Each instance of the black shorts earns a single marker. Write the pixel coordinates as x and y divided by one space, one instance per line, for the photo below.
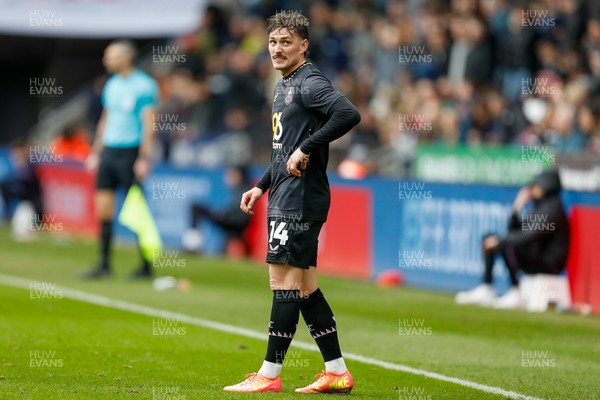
293 242
116 167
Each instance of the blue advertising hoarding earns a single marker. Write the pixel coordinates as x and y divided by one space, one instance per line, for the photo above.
431 232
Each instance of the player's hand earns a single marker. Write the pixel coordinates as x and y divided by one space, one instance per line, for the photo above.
91 163
297 162
490 243
522 198
141 168
248 200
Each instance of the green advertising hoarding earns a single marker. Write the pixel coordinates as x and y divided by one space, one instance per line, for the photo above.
497 165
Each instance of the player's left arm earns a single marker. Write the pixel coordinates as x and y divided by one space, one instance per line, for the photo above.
141 167
319 95
142 163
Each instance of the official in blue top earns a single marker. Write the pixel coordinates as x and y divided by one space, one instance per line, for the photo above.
124 139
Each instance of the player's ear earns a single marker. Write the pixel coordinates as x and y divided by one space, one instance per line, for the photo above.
304 46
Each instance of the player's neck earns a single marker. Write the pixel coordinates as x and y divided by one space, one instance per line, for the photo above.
126 72
290 71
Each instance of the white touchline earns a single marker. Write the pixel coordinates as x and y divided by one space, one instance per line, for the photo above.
18 282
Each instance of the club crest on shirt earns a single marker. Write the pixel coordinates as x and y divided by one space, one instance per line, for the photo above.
289 96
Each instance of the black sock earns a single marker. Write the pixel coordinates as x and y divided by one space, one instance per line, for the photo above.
321 325
285 313
105 239
488 256
510 259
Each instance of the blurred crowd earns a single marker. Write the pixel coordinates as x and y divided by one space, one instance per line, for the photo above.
470 72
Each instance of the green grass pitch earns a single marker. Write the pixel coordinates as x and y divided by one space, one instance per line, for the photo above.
61 348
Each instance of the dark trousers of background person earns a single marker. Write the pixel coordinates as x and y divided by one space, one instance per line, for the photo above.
233 222
524 258
15 190
116 171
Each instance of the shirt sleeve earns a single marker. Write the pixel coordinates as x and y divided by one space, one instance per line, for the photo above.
104 90
149 96
518 237
265 182
320 96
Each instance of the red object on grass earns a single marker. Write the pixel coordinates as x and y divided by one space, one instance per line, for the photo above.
390 278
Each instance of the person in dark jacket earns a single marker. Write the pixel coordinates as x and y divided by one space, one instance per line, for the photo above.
230 219
537 242
24 183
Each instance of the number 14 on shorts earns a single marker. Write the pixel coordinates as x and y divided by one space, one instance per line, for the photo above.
278 232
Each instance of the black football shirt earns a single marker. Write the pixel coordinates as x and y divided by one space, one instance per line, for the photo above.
308 112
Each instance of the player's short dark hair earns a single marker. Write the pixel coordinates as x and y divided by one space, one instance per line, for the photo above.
294 21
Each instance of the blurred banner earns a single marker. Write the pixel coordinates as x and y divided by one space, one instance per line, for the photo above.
579 172
498 165
584 260
505 165
100 18
171 192
430 232
68 193
6 167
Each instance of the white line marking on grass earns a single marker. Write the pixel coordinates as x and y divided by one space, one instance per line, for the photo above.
85 297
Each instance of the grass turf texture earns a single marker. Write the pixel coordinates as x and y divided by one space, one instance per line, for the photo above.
107 353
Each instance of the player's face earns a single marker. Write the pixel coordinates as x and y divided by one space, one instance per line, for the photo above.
287 50
114 59
537 192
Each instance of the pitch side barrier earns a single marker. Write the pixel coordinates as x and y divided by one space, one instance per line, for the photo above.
430 232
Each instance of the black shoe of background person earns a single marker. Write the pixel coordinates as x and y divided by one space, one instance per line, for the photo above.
96 273
141 273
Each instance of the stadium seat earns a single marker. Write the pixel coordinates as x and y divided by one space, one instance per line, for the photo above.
539 290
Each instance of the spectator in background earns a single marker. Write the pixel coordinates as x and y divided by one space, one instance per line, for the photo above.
537 242
388 39
548 56
212 34
562 136
479 54
591 39
184 114
588 118
516 55
594 74
464 7
233 144
436 45
230 219
24 184
496 13
73 144
572 16
480 58
459 50
503 121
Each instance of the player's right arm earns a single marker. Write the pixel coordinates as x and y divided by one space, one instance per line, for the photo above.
94 158
251 196
265 182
